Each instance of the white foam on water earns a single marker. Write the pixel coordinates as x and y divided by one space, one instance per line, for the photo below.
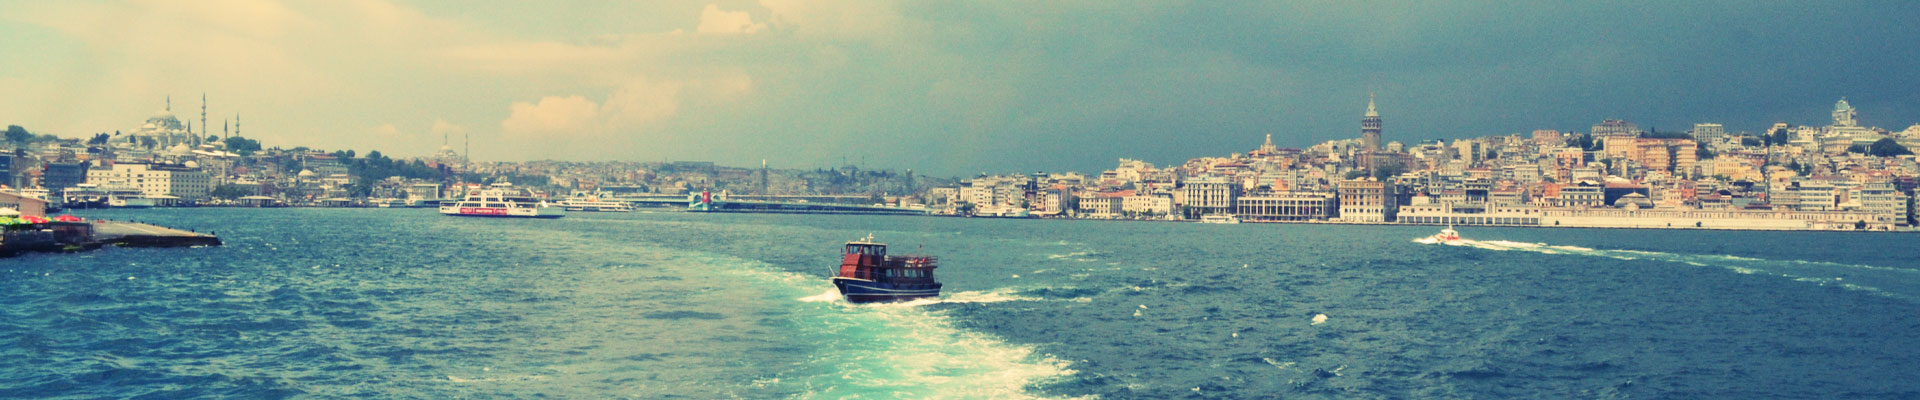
897 350
1081 256
1795 270
831 295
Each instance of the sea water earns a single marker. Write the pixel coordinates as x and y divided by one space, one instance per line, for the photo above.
406 303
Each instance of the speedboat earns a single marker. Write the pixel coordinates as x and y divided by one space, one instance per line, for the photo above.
1447 235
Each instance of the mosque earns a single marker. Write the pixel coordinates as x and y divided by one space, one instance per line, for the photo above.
165 129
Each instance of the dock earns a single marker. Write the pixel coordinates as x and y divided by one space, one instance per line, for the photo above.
83 236
134 234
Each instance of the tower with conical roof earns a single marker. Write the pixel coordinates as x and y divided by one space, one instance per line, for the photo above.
1370 126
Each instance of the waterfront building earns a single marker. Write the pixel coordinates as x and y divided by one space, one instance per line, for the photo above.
58 176
1367 200
1287 206
155 180
1148 205
1448 213
1209 195
1102 205
1059 200
1580 195
423 191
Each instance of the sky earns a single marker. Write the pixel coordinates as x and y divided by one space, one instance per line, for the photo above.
943 87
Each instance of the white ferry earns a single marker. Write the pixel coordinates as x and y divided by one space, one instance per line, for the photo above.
580 202
1219 219
502 200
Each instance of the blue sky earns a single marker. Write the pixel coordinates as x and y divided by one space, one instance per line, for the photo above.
948 88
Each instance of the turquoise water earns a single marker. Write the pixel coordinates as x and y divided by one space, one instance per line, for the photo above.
405 303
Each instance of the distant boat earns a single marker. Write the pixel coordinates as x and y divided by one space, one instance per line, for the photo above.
502 200
1219 219
867 274
1447 235
594 202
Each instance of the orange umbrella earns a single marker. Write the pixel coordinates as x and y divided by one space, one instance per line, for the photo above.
37 220
67 218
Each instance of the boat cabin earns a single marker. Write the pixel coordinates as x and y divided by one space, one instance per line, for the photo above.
869 260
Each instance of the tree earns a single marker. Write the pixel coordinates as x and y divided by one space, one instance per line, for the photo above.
99 139
18 135
1780 137
242 146
1751 142
1704 154
148 142
213 138
1887 147
1857 149
230 192
1388 171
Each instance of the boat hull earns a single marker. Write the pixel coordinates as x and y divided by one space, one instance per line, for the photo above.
869 291
537 212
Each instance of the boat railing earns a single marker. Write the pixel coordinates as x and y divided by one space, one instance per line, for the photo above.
912 261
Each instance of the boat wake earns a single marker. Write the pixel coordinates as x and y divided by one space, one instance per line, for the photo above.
1891 282
896 350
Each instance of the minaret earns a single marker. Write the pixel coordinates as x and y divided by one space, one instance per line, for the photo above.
236 124
1267 147
1370 126
170 103
203 110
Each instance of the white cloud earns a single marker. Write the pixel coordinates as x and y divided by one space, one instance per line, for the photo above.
638 104
442 127
713 20
553 115
386 130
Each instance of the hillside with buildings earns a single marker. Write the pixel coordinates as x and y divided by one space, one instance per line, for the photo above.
1836 176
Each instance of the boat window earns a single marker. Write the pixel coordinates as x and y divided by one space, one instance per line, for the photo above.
495 205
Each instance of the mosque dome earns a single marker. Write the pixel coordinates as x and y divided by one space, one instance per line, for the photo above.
1842 106
306 173
180 148
191 164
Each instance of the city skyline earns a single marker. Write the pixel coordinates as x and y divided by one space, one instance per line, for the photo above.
1070 87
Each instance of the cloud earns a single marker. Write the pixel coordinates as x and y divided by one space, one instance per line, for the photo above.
553 115
442 127
712 20
386 130
638 104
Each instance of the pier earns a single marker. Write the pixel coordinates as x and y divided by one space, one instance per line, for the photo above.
82 236
135 234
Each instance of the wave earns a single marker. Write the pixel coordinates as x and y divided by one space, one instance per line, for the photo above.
1891 282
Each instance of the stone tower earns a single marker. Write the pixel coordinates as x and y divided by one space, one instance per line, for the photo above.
1370 127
